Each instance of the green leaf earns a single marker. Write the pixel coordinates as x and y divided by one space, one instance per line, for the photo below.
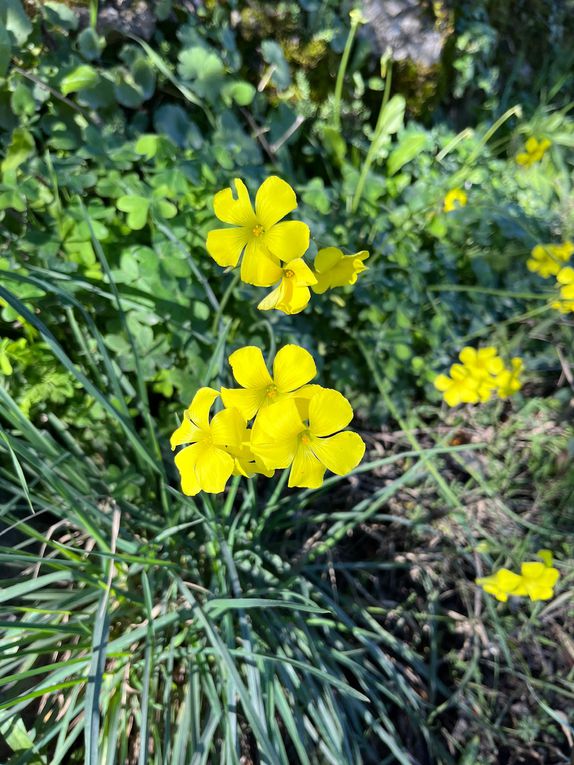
137 209
22 101
408 148
59 15
334 143
14 733
147 145
15 20
165 209
203 69
5 50
21 147
241 92
90 44
82 78
391 117
273 55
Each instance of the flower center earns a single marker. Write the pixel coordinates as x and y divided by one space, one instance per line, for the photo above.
257 230
306 437
271 391
288 273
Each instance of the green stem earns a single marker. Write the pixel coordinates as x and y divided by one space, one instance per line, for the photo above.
487 291
224 300
341 73
369 159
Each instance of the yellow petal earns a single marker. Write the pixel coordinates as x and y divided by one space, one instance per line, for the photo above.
274 435
272 300
302 274
566 275
228 429
532 570
198 411
306 470
327 258
236 208
302 397
340 453
185 461
288 240
259 267
187 433
247 400
226 244
442 383
249 368
292 368
213 469
294 299
275 199
507 579
329 411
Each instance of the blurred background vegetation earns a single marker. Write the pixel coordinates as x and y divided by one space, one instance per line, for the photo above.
336 626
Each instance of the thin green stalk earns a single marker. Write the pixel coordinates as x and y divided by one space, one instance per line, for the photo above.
224 300
355 21
369 159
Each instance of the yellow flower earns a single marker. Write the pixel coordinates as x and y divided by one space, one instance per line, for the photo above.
259 235
208 462
281 438
460 388
292 294
547 259
565 279
481 372
333 269
501 584
536 580
533 152
292 369
454 199
507 381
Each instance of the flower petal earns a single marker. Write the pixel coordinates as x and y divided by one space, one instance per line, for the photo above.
213 469
329 411
327 258
294 299
274 434
292 368
288 240
303 276
306 470
187 433
228 429
247 400
340 453
185 461
249 368
272 300
259 266
235 209
274 200
225 245
198 411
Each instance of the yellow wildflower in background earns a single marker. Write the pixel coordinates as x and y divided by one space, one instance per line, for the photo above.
334 269
536 580
547 259
565 282
293 368
208 461
281 438
259 235
501 584
454 199
480 374
533 152
292 294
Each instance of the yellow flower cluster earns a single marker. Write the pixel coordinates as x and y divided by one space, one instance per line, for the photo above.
271 249
533 152
548 260
454 199
536 580
296 425
480 374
